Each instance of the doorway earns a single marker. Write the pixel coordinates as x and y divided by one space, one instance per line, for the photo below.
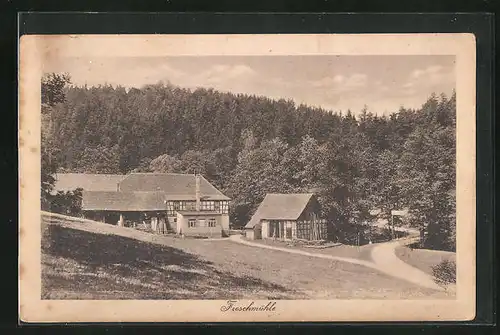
278 229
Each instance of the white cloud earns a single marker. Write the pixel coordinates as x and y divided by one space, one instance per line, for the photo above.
356 80
338 79
417 73
323 82
341 83
434 78
222 72
100 71
241 70
431 75
429 71
218 76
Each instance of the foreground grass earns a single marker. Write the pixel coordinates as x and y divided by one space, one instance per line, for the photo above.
423 259
98 261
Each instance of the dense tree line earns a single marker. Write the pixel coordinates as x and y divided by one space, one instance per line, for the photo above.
250 145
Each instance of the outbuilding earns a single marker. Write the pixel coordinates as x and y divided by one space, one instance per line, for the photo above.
287 217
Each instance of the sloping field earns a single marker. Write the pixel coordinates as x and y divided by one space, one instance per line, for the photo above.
424 259
90 260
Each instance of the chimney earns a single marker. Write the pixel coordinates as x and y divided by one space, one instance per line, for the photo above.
197 194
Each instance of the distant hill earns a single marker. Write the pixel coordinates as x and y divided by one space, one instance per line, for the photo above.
248 146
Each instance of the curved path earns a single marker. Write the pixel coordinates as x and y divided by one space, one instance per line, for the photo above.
240 239
383 255
385 258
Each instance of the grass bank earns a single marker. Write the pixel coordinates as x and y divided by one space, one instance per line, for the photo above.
423 259
87 260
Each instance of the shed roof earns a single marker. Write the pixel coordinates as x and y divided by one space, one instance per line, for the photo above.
280 207
176 186
123 201
89 182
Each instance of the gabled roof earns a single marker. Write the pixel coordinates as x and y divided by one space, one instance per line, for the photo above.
280 207
89 182
175 186
123 201
136 191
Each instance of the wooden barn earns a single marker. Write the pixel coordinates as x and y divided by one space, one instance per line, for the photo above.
287 217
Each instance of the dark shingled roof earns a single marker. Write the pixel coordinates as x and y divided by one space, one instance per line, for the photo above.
176 186
89 182
136 191
280 207
123 201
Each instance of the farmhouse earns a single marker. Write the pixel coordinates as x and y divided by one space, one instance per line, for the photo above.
185 204
287 217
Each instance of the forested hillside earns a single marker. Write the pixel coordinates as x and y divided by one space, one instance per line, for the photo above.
249 146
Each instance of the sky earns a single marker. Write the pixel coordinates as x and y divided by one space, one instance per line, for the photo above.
338 83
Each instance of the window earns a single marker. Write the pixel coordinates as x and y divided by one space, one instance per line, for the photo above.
225 207
170 208
191 223
175 220
288 230
177 205
212 223
190 205
207 205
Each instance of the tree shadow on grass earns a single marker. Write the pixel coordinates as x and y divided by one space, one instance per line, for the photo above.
83 265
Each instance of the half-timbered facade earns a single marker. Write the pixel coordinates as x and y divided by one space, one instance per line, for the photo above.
287 217
162 202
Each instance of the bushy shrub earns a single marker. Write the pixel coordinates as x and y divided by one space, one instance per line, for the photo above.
68 203
444 273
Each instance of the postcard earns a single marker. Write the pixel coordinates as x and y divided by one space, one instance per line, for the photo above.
259 178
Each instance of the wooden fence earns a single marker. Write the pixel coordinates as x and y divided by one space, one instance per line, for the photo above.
312 230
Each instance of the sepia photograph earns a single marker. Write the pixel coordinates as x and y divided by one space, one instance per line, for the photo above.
169 172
